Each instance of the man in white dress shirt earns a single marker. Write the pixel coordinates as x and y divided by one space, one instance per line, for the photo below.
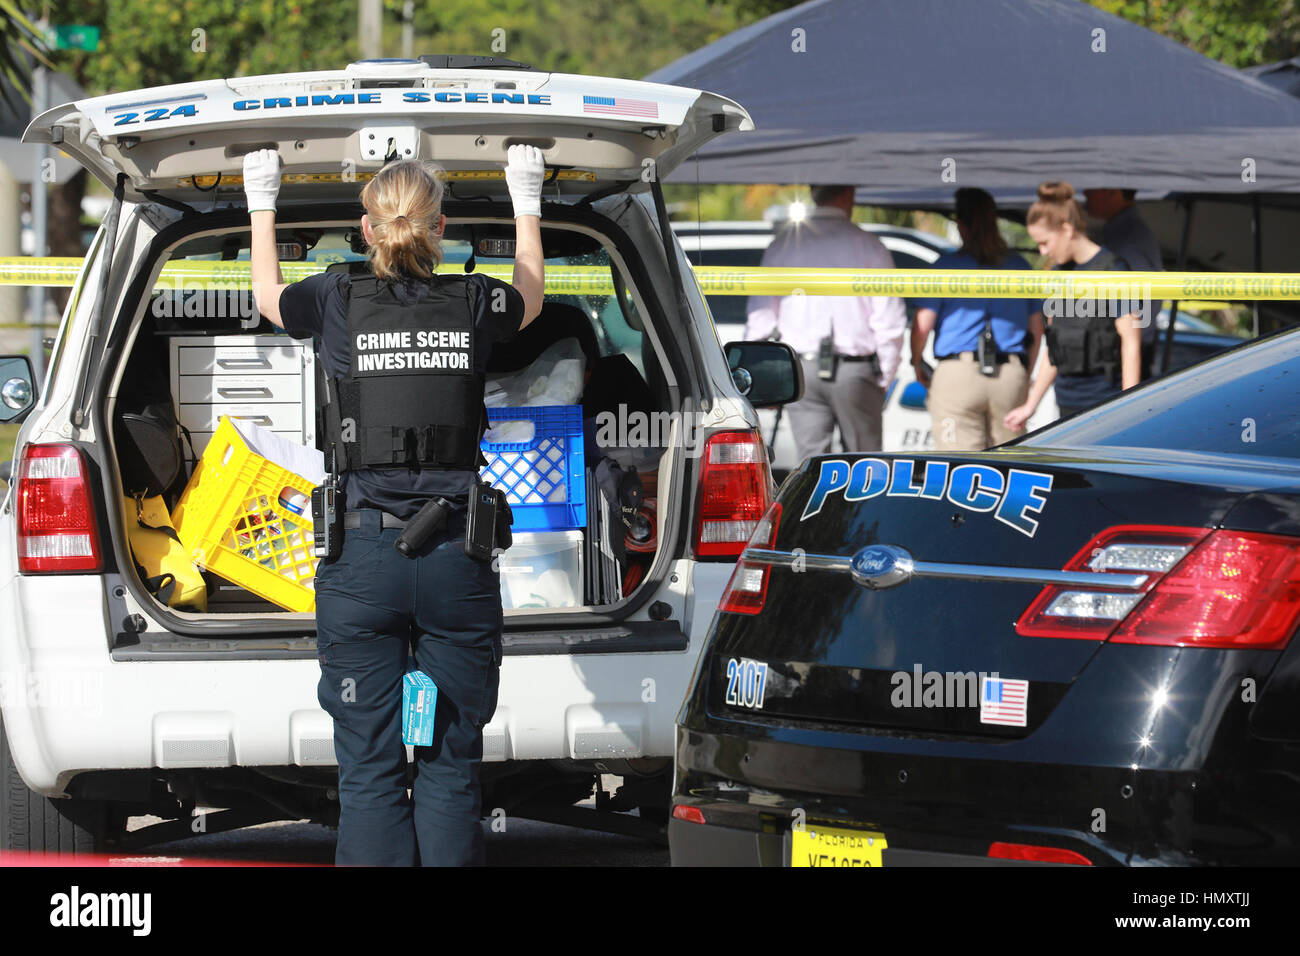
850 345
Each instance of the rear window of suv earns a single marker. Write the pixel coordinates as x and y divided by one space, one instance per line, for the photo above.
1241 403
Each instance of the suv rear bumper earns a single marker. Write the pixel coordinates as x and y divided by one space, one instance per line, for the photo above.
69 707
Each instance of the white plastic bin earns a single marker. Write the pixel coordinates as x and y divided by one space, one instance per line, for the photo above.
542 569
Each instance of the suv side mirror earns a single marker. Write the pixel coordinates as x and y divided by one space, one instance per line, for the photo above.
766 373
17 388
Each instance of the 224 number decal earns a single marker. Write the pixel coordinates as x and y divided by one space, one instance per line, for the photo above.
125 119
746 683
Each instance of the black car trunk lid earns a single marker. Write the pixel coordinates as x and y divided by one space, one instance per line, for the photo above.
857 641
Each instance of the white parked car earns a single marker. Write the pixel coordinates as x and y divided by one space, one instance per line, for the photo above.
116 704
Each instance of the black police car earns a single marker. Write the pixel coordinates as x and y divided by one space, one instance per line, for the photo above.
1077 648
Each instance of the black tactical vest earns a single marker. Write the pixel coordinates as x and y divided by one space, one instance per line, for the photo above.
1084 346
411 395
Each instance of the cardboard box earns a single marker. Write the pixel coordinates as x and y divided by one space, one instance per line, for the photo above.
419 705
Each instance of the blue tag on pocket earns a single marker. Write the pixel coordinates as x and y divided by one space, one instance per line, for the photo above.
419 703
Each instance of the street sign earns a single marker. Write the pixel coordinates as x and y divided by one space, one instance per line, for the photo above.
72 37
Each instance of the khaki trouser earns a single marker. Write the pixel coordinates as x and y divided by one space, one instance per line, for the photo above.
853 401
967 408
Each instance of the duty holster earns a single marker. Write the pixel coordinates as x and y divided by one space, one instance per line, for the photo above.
487 522
327 519
422 527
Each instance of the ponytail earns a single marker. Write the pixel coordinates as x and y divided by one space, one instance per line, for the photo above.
404 204
976 210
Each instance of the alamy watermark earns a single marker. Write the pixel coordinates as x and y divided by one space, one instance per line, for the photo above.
180 299
80 692
631 428
1082 300
917 688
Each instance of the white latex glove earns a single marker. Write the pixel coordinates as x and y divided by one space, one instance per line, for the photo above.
524 173
261 178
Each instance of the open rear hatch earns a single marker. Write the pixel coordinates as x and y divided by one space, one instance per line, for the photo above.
334 128
185 143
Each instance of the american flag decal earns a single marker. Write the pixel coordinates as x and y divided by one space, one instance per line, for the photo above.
1004 701
620 106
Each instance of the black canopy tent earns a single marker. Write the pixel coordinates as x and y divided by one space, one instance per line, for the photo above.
1283 75
909 99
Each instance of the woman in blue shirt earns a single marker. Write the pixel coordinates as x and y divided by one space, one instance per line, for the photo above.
968 405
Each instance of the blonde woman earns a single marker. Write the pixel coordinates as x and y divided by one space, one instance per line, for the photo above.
1092 353
405 351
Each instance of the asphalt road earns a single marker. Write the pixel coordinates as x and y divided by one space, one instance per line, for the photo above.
521 843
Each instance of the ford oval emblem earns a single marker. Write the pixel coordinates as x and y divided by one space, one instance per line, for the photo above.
879 566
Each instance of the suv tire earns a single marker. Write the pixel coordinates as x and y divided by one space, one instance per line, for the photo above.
36 824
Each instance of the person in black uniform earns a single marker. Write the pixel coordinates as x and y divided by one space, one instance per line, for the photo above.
1092 353
404 352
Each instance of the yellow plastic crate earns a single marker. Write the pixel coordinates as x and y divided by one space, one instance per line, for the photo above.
232 521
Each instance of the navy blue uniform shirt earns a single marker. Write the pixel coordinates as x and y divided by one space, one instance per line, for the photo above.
316 308
1084 391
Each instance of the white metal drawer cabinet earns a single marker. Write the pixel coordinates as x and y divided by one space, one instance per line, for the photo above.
265 379
238 355
209 389
281 416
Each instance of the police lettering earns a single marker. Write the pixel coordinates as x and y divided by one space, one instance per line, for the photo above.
1012 497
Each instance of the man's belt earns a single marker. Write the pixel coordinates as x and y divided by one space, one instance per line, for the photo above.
352 520
999 358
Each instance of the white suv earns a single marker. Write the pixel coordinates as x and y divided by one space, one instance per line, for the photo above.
117 705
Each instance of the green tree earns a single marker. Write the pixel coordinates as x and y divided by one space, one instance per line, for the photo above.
1236 32
602 37
156 42
20 44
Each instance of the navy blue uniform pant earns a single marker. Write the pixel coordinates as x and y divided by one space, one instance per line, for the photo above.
373 608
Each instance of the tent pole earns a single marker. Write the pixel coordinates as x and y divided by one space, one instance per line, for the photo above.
1258 257
1182 265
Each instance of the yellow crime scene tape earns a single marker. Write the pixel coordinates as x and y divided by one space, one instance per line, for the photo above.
714 280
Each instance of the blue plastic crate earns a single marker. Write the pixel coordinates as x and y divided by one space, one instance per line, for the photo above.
544 479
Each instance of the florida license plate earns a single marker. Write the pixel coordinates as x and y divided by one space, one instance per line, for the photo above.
815 845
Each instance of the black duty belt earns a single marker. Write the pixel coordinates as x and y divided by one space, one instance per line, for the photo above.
352 520
1000 358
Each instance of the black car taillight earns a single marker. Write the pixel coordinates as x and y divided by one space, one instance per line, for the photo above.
735 491
747 588
1236 589
56 515
1091 613
1205 588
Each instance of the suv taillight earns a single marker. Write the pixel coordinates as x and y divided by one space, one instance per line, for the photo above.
1205 588
56 515
747 588
735 492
